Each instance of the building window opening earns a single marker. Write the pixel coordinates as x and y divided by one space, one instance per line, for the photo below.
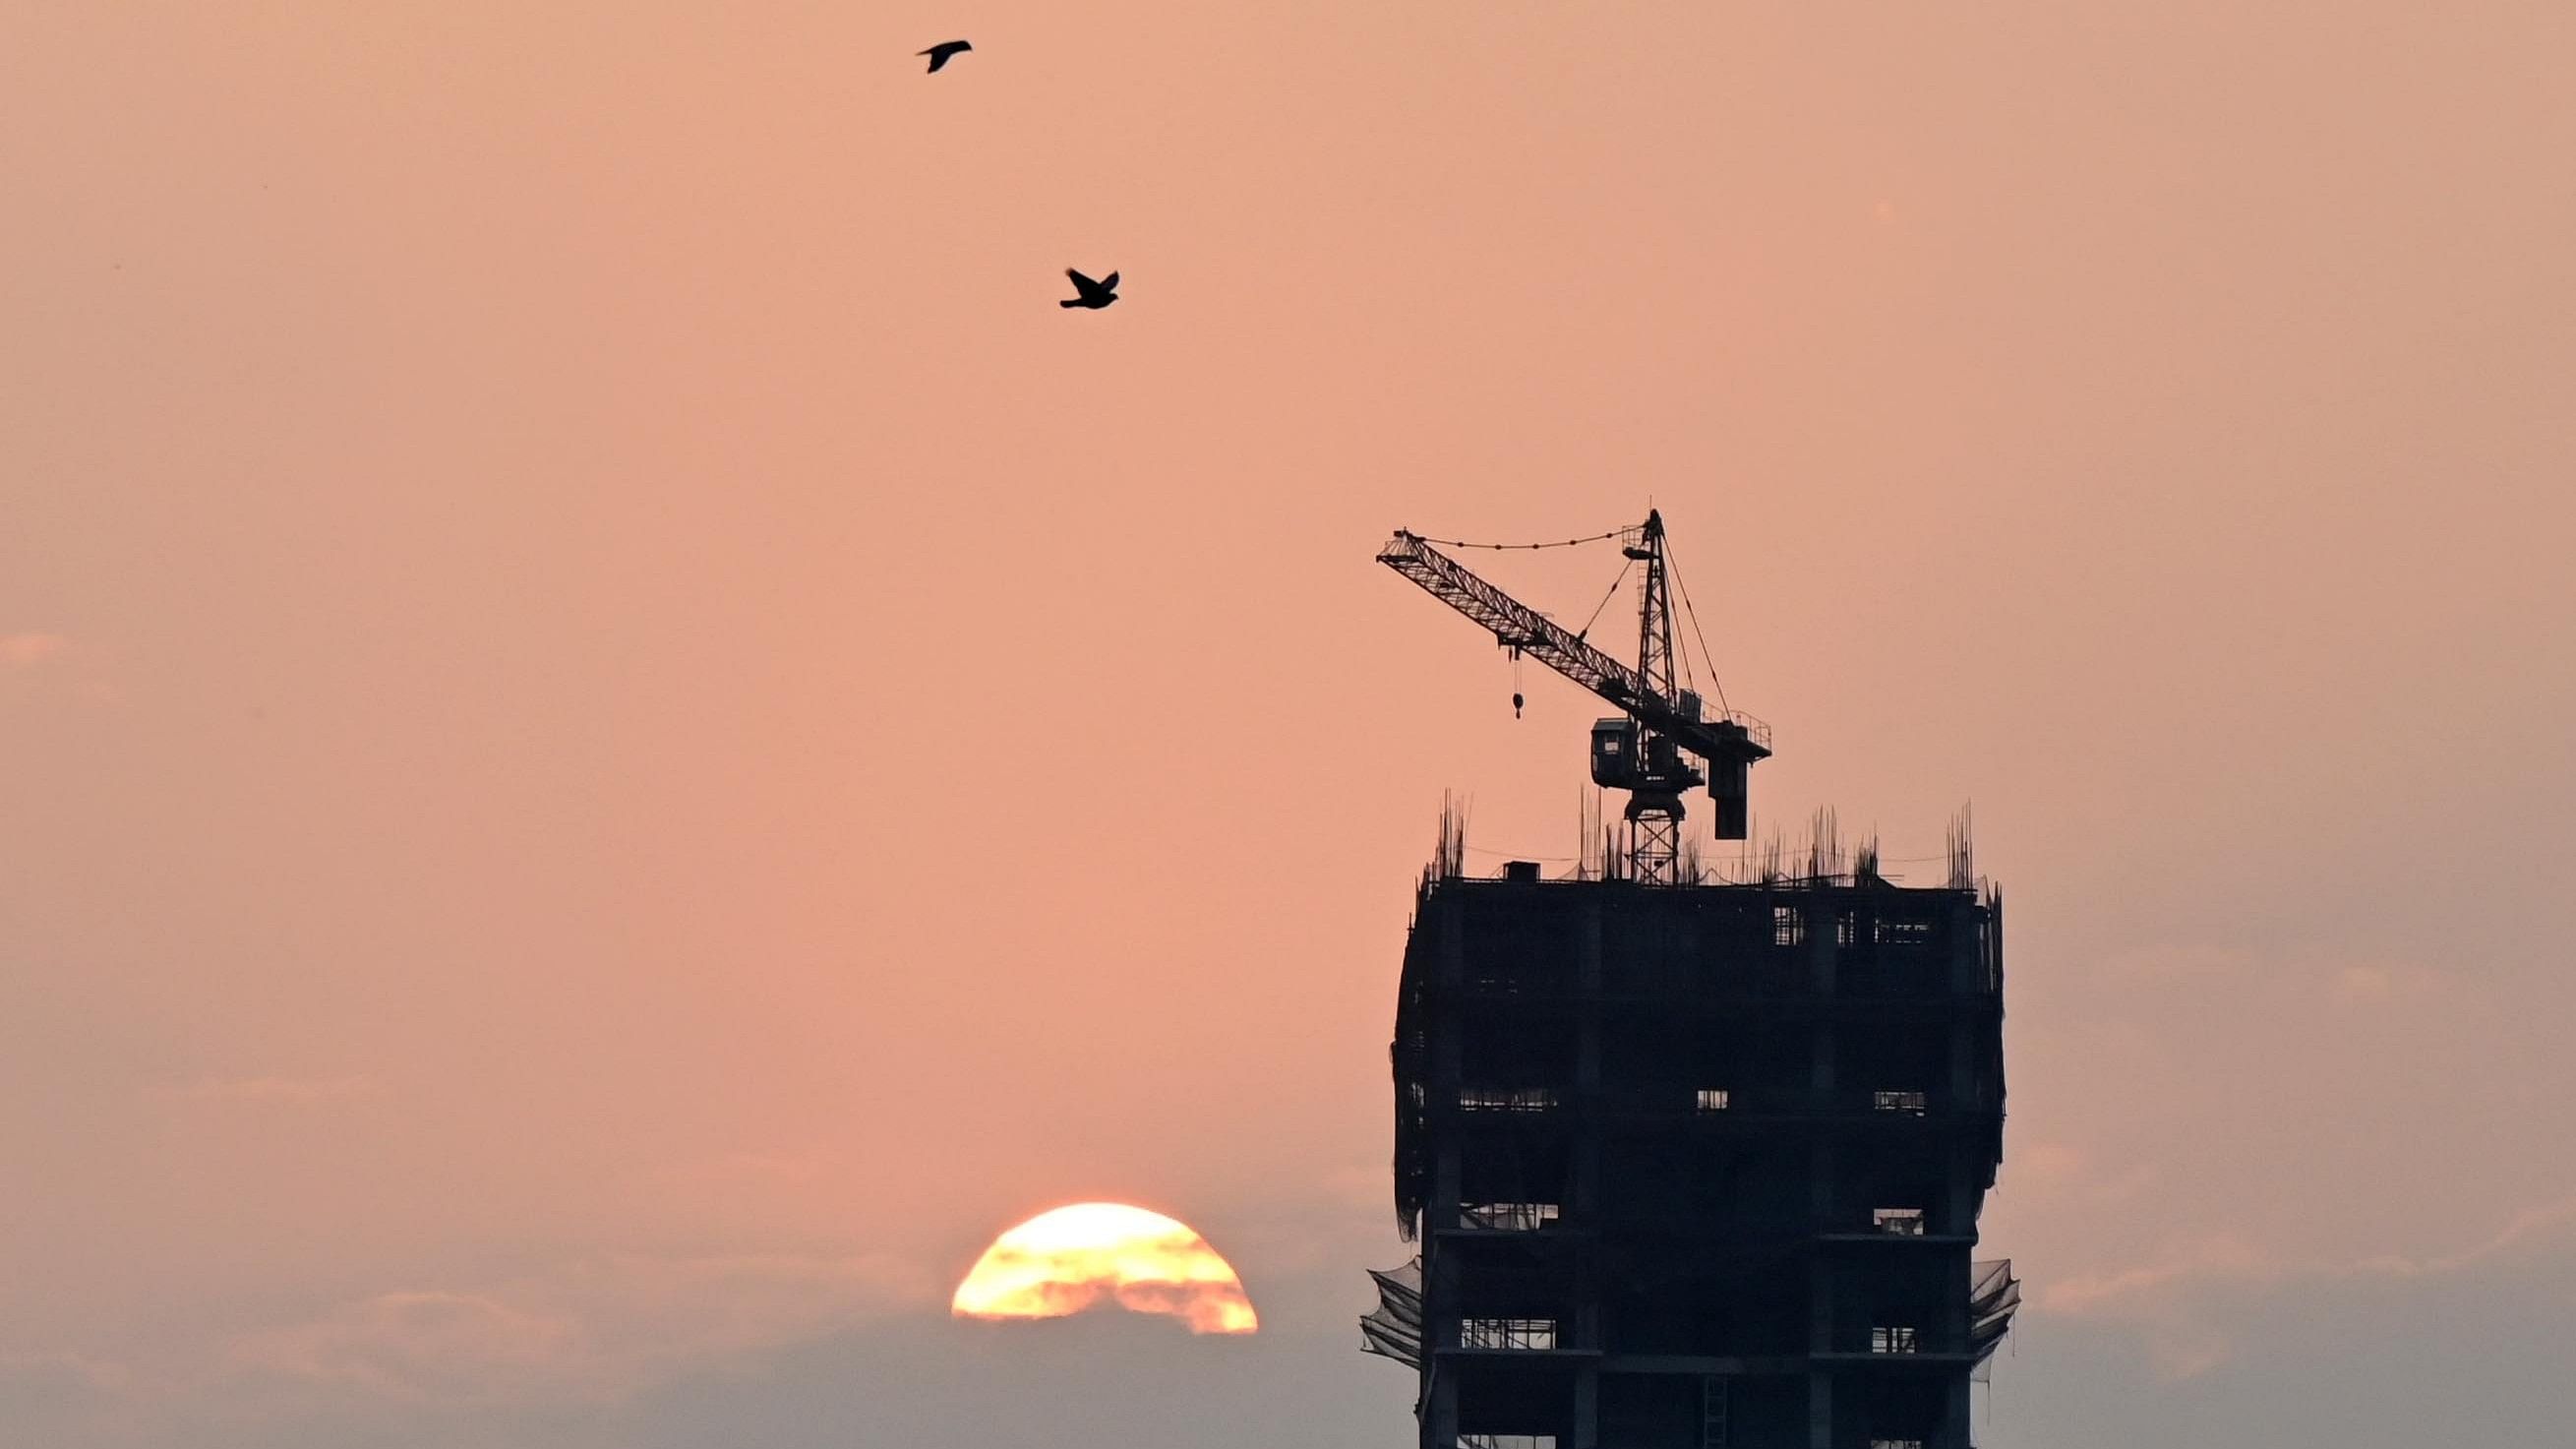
1788 927
1509 1217
1898 1222
1507 1099
1526 1441
1909 1102
1514 1333
1904 933
1876 1442
1846 929
1712 1099
1895 1338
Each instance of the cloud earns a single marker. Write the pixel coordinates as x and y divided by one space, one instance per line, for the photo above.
2386 985
2187 1307
2072 1177
592 1330
2216 1260
2165 1302
61 1398
665 1311
18 651
70 1371
750 1351
454 1347
2532 1232
1087 1380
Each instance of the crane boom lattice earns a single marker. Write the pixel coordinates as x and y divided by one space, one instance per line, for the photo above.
1643 751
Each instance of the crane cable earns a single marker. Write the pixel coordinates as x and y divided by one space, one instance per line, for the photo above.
1580 635
1554 543
1565 859
1687 606
1693 611
1585 632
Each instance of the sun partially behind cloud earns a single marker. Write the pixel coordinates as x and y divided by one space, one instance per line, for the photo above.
1082 1256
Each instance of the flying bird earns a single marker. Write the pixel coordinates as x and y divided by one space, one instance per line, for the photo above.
1095 295
940 53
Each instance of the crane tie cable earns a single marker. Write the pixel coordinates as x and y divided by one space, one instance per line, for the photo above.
1558 543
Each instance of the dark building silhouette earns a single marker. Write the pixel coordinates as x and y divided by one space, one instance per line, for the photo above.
1697 1166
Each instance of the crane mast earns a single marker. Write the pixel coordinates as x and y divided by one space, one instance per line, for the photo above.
1654 608
1659 746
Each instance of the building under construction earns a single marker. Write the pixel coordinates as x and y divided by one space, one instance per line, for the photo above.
1694 1158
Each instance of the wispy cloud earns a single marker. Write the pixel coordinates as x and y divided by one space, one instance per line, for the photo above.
2379 985
456 1347
75 1368
2217 1260
62 1397
2183 1304
17 651
2528 1229
590 1330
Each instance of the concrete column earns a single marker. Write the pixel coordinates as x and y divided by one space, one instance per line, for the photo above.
1821 950
1587 950
1447 1054
1962 1093
1955 1429
1821 1289
1440 1422
1586 1206
1954 1305
1820 1409
1967 949
1587 1010
1587 1297
1587 1407
1960 1189
1449 969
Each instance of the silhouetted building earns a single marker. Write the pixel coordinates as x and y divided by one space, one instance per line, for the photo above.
1697 1166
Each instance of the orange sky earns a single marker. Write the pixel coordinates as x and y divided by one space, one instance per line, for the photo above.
618 742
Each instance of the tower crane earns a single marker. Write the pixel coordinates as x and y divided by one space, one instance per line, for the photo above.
1661 744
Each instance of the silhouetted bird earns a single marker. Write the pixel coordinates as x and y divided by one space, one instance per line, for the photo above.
1094 294
940 53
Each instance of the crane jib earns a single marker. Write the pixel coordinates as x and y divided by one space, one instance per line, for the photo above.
1516 625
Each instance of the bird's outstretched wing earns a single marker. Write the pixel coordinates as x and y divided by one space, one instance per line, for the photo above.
1109 283
1082 282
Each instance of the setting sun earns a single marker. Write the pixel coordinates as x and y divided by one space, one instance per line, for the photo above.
1080 1257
